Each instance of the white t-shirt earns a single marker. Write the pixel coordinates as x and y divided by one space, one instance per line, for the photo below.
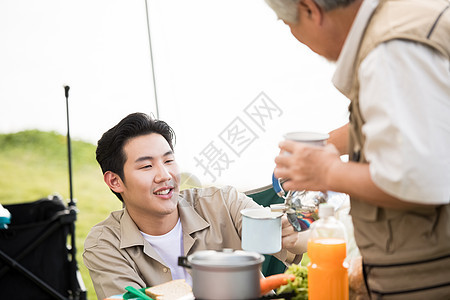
405 101
170 246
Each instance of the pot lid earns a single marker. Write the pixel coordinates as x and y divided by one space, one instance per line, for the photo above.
225 258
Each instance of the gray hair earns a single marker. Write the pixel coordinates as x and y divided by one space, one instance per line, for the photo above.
287 10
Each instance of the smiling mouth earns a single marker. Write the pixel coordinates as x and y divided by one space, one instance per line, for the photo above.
164 191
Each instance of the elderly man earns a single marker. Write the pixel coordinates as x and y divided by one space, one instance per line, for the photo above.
393 64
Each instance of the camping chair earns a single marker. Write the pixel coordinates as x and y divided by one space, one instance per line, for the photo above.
35 260
266 196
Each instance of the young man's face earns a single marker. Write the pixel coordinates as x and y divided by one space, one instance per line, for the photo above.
151 176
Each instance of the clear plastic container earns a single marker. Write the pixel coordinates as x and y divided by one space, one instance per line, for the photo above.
327 270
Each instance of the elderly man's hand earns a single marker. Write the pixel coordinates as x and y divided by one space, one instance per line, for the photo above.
293 241
306 167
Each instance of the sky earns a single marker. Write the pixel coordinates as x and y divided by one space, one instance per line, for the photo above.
230 78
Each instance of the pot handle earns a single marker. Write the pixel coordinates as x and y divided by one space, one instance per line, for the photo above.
183 262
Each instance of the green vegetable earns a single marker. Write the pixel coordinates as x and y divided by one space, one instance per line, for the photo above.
299 285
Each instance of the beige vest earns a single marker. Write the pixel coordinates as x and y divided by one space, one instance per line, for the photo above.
389 237
423 21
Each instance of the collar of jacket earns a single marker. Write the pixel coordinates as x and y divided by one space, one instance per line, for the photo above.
191 222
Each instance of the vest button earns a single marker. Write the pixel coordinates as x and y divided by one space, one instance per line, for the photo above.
165 270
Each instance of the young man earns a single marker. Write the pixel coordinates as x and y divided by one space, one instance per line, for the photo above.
393 64
140 244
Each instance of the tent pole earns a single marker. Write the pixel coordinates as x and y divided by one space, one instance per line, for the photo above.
69 147
151 59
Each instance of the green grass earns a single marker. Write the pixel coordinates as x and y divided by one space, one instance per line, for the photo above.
34 164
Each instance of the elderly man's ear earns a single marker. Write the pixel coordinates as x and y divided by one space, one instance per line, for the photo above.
311 10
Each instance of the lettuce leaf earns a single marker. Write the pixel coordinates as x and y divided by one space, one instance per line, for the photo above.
299 286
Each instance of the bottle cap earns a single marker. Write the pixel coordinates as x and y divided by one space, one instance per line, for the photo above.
326 210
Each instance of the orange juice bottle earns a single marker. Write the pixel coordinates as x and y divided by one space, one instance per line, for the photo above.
327 271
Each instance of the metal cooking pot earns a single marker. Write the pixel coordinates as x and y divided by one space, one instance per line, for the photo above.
224 275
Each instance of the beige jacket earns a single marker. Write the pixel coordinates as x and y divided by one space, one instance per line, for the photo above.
117 255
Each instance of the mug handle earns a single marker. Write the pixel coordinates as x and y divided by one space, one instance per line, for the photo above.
183 262
276 183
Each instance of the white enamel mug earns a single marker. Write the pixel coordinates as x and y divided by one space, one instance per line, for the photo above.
261 230
312 138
